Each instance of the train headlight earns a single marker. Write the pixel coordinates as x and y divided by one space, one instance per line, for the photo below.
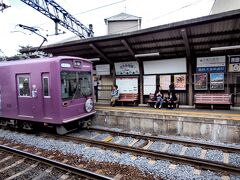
89 105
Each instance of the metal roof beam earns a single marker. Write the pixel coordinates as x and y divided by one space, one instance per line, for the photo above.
186 42
124 42
100 53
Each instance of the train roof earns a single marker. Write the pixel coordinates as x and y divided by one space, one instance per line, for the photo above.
40 60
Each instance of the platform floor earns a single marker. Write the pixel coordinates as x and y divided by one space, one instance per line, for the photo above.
191 112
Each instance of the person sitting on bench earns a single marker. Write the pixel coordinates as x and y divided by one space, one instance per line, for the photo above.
114 95
159 97
171 96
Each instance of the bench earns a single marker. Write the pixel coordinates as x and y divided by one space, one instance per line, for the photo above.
151 101
128 97
213 99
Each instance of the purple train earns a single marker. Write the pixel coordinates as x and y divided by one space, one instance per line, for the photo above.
55 91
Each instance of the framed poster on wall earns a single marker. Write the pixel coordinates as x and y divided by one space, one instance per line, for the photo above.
165 81
200 81
127 85
180 81
217 81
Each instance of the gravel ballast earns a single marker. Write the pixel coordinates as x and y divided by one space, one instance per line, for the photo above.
159 168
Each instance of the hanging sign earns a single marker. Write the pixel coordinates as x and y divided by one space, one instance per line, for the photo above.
127 68
103 69
211 64
234 64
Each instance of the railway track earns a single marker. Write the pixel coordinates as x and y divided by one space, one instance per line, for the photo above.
200 163
17 164
232 149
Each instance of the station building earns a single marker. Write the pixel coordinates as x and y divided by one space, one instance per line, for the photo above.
200 55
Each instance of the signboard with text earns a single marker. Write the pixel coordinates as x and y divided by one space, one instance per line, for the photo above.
234 64
127 68
211 64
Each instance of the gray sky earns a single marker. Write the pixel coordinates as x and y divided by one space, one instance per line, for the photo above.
153 13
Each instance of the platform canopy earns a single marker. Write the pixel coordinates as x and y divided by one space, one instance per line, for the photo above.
191 38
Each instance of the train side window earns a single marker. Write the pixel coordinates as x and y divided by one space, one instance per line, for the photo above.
23 86
46 92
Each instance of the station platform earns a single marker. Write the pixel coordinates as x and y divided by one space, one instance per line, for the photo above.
216 125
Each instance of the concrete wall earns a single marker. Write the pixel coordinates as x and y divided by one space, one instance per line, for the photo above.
122 26
225 5
199 127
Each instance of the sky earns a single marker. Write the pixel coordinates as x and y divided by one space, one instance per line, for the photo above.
153 13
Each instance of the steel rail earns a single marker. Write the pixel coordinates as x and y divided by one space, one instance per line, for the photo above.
197 162
78 171
172 140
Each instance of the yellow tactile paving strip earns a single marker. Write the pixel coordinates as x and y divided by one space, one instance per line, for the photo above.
176 112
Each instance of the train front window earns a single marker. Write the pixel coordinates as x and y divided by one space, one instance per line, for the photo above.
75 85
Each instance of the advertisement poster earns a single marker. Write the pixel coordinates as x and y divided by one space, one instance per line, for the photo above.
103 69
234 64
180 81
165 81
217 81
211 64
127 68
127 85
200 81
149 83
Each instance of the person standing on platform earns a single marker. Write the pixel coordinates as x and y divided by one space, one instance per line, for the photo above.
114 95
171 96
159 96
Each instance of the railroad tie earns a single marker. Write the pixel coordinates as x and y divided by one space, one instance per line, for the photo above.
5 159
152 162
225 177
119 140
133 157
203 153
50 157
226 158
148 145
16 147
118 177
13 165
197 171
22 172
65 176
95 136
46 172
133 142
183 150
164 149
173 166
64 161
38 153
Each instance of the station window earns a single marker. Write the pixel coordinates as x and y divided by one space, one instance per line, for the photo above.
75 85
46 87
23 86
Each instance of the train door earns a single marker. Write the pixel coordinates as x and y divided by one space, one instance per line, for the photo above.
24 98
47 101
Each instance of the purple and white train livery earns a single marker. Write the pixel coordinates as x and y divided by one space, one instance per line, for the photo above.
55 91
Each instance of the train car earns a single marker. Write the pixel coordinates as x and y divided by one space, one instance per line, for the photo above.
56 91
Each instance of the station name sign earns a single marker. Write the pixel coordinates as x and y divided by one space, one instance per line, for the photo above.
211 64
